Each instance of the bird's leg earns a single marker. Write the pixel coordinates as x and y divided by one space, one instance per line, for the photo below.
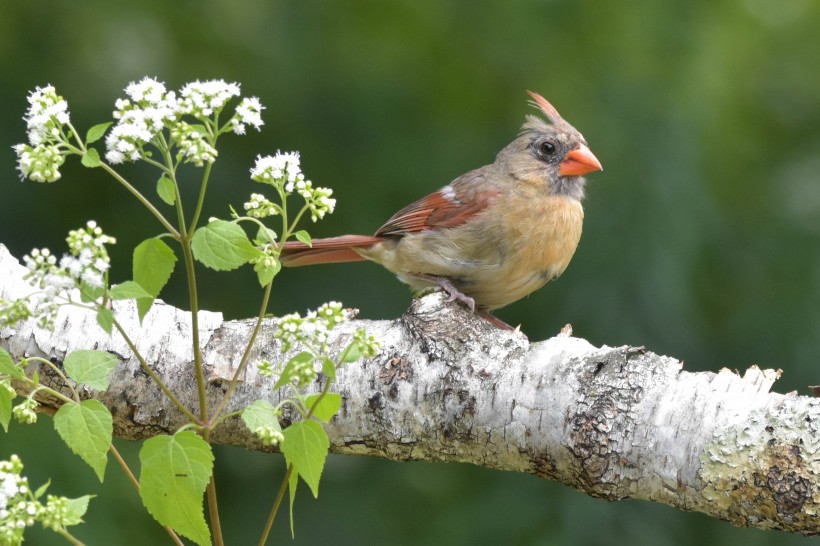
444 284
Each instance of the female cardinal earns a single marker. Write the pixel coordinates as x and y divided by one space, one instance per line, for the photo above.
491 236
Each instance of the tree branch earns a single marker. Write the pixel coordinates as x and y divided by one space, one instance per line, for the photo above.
615 423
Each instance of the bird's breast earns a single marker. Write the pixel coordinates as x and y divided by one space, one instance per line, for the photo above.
540 237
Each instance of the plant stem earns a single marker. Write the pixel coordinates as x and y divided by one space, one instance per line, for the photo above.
276 504
213 511
141 198
153 375
205 177
69 537
246 355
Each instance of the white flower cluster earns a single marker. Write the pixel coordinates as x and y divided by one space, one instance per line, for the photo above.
86 265
19 508
260 206
47 114
89 259
41 158
249 112
202 99
17 511
152 108
282 171
313 329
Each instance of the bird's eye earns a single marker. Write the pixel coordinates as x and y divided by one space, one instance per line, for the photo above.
546 148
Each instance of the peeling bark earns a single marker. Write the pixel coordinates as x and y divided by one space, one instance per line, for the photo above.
614 422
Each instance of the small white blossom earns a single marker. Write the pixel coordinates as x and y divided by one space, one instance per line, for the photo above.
314 328
47 113
147 91
139 120
202 99
277 170
85 265
41 158
249 112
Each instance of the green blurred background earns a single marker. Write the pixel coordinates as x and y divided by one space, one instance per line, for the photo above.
701 238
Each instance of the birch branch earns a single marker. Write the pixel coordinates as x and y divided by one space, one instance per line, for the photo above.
614 422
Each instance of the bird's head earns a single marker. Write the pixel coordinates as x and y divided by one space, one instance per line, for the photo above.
550 152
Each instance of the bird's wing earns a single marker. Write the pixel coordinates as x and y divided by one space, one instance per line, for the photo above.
449 207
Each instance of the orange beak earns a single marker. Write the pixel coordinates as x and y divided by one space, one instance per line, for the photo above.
580 161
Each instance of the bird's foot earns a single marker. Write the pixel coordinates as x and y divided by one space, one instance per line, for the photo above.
454 293
445 285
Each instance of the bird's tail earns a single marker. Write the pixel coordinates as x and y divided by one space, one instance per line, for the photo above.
326 251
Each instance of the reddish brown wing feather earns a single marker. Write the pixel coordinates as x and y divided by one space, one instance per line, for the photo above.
442 209
326 251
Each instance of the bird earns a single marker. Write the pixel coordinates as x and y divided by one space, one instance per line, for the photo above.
491 236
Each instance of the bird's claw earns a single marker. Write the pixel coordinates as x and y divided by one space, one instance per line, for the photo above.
455 294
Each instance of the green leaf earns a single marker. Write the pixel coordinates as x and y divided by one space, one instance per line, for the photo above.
262 236
105 318
305 447
7 366
86 428
291 370
303 237
165 190
352 353
175 472
293 481
328 406
329 369
96 133
260 414
92 368
153 264
90 293
91 158
42 490
222 246
266 273
76 509
129 290
5 408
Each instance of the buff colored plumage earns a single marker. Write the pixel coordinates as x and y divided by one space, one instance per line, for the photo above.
493 235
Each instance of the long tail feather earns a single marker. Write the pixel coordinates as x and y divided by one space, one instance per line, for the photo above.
327 251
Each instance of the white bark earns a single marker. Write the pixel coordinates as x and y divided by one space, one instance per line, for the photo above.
614 422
